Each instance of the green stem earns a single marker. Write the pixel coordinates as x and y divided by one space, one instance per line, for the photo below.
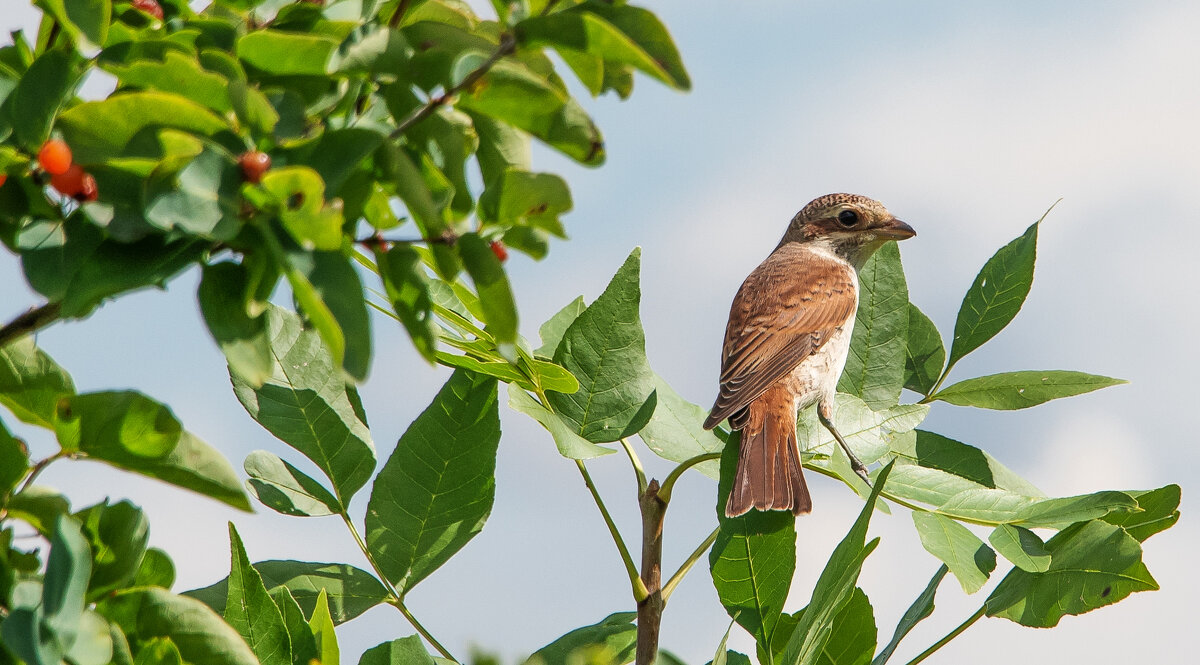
664 494
687 565
397 599
951 635
39 467
637 466
639 588
911 506
937 384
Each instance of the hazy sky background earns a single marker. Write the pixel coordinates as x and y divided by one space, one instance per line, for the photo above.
967 120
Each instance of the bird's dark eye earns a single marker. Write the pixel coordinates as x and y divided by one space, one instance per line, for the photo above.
847 218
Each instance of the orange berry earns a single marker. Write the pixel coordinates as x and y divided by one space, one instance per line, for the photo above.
70 182
499 250
254 164
55 157
151 7
88 190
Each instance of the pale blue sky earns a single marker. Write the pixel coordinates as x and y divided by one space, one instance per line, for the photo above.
967 120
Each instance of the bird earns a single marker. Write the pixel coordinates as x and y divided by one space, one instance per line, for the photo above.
786 344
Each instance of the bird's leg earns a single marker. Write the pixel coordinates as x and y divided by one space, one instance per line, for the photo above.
824 412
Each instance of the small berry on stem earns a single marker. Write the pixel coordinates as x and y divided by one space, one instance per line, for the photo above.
150 7
69 182
3 177
499 250
54 157
254 164
88 190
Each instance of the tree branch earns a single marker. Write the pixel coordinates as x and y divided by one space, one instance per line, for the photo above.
508 45
30 322
650 609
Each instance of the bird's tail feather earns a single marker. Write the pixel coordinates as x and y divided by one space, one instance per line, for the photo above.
769 475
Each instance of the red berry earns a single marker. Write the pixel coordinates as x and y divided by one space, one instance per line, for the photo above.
70 182
55 157
3 177
254 164
499 250
88 190
151 7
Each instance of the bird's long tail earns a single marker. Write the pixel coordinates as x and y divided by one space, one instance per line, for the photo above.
769 475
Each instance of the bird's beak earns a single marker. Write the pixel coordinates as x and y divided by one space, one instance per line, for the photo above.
894 229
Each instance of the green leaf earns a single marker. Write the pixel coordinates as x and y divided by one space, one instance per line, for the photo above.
156 569
752 559
14 462
611 641
317 312
299 193
252 612
133 432
939 453
93 641
407 285
1022 547
223 296
304 645
350 591
436 490
953 544
1092 564
1021 390
924 354
1159 511
102 130
649 33
200 634
875 365
835 585
286 489
449 137
32 106
870 434
336 154
920 610
158 651
551 332
569 443
515 94
520 197
118 535
406 651
1057 513
84 21
587 33
287 53
676 430
305 404
43 623
605 348
31 383
996 295
39 506
178 73
321 623
495 294
339 288
371 50
501 147
853 636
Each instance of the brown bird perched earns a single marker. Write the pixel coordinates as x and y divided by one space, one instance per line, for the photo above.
786 344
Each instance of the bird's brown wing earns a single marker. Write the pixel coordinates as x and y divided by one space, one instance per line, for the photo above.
786 309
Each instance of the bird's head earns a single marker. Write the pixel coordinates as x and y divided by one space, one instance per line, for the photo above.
853 226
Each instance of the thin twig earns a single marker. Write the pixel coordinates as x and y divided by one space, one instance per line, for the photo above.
30 322
508 45
397 599
39 467
668 485
951 635
639 587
